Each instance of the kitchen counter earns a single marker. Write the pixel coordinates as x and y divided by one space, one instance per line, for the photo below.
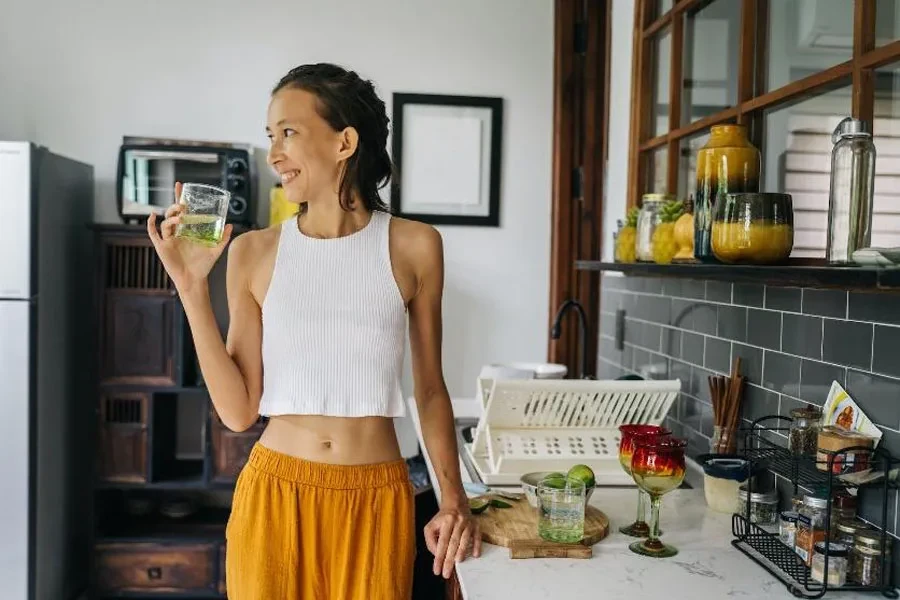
706 568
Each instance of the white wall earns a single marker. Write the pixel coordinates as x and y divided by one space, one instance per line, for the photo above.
619 117
76 76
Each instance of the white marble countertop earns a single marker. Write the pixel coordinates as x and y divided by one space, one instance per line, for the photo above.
707 567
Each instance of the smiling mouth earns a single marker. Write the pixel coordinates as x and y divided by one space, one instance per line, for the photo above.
288 176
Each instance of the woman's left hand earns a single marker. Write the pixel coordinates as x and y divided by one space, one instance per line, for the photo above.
449 536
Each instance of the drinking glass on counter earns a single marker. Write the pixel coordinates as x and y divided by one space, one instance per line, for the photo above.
657 466
626 447
205 210
561 501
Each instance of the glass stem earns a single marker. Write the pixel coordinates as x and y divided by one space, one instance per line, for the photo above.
654 520
641 510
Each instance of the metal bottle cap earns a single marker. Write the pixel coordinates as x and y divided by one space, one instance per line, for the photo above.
850 126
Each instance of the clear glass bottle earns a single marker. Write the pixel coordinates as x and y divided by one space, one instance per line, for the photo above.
866 567
804 434
837 563
851 191
648 219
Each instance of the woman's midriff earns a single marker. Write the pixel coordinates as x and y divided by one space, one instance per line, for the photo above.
334 440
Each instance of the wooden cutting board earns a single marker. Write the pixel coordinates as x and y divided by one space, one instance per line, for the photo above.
516 529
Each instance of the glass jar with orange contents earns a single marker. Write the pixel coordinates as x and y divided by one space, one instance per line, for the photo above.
753 228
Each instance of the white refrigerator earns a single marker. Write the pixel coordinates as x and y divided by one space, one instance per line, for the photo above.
46 413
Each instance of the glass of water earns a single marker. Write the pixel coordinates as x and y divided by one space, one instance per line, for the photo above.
205 209
561 503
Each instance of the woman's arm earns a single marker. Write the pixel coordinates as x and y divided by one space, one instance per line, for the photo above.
452 531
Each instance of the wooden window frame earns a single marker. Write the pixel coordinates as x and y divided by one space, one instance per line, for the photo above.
752 59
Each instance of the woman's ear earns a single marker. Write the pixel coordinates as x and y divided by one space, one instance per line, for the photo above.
348 141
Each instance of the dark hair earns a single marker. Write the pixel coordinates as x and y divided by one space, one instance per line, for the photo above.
347 100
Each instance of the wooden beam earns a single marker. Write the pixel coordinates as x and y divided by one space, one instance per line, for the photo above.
801 87
561 234
675 83
746 55
690 129
863 100
881 56
638 102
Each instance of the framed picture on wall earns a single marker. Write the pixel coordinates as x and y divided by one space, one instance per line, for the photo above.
447 151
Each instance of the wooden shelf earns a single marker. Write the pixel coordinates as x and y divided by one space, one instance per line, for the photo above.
792 274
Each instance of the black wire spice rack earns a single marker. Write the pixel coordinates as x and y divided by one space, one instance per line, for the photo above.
765 548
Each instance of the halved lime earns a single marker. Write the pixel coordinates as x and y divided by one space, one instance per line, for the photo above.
478 505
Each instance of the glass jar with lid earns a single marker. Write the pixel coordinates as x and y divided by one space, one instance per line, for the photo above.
763 506
845 531
866 567
837 563
803 438
843 509
648 219
811 525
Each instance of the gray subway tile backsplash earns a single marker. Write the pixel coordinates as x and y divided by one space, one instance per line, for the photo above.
801 335
778 298
885 348
793 343
848 343
764 328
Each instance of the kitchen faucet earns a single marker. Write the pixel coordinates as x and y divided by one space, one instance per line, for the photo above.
556 329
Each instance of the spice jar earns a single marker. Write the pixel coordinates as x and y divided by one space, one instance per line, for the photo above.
834 439
843 509
810 526
803 438
865 558
649 218
845 531
763 506
837 563
787 527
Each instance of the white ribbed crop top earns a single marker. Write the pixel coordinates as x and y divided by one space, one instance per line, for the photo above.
334 326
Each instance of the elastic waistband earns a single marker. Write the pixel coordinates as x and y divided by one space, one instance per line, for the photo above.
343 477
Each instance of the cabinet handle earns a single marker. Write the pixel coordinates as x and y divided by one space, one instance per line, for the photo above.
154 573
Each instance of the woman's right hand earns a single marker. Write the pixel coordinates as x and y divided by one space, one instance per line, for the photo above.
187 263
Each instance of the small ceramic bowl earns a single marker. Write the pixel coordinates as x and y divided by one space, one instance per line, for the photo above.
530 482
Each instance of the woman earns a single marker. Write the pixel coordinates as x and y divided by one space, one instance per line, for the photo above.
318 312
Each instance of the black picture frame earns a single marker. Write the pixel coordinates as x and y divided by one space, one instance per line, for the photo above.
495 105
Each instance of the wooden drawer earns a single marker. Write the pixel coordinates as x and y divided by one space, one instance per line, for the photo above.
183 568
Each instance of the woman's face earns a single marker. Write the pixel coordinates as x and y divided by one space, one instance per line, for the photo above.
304 150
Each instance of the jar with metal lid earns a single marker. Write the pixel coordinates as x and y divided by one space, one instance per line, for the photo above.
648 219
866 567
811 526
803 438
763 506
837 563
845 531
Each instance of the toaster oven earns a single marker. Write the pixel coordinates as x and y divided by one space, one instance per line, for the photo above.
148 169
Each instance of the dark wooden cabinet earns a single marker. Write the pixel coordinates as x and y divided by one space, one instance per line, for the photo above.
165 464
152 567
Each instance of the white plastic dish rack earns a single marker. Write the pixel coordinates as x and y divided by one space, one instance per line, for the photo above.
550 425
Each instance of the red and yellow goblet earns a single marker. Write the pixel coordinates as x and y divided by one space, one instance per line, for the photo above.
626 448
657 466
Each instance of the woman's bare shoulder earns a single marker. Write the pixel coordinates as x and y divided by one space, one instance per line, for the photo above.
416 240
254 245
